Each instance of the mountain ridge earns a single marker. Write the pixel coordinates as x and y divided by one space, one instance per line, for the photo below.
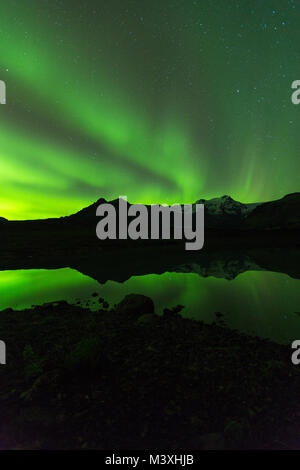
226 213
221 213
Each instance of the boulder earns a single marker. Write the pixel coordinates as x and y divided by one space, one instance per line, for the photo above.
146 319
135 305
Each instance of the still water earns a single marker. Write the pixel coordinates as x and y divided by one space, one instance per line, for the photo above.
263 303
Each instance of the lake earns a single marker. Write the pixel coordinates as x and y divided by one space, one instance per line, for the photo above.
266 304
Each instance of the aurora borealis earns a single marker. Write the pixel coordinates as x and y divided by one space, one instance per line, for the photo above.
164 102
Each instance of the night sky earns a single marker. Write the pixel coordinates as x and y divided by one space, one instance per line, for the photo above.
164 101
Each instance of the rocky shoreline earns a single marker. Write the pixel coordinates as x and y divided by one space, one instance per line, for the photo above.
125 378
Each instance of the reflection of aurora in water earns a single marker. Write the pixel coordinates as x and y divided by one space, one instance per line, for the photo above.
263 303
161 101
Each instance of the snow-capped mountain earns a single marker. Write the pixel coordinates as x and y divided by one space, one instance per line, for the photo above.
226 205
225 211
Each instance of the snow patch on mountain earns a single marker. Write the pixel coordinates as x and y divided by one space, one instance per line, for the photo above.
226 205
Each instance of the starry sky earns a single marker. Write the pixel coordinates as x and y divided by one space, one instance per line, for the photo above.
163 101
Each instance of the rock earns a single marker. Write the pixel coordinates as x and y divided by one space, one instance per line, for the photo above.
173 311
84 355
235 431
146 319
211 441
136 305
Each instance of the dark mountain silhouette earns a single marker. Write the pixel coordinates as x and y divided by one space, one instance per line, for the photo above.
228 224
226 213
218 211
281 214
238 237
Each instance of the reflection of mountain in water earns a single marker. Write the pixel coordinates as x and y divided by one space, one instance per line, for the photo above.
222 264
222 268
120 265
238 237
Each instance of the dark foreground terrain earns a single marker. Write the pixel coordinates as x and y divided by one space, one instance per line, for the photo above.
126 378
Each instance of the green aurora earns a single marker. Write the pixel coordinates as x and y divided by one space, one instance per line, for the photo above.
160 101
